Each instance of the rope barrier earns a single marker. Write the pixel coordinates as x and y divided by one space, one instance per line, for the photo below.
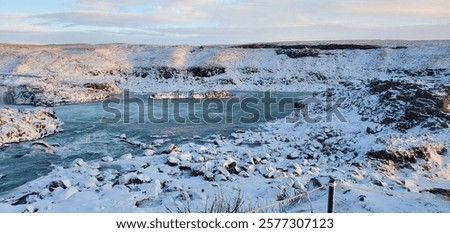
340 183
352 187
256 210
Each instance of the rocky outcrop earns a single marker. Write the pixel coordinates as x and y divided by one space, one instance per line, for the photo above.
405 158
405 104
49 92
17 126
192 95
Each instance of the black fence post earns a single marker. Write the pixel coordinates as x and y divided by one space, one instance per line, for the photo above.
331 193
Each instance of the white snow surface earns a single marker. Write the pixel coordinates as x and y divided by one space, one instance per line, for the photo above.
285 160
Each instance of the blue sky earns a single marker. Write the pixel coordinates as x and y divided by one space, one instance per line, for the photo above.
220 21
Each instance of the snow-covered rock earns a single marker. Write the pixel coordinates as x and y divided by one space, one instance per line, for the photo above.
192 95
19 126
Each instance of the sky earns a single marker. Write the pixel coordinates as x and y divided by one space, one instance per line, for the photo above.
199 22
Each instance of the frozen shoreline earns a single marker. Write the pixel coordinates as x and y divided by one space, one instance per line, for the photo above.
18 126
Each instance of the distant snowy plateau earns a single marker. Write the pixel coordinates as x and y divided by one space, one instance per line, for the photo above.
389 155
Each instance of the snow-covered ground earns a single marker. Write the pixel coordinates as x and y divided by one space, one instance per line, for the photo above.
386 143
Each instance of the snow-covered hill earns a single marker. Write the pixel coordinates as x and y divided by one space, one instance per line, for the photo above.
47 75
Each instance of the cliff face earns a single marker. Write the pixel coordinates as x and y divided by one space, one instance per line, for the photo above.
47 75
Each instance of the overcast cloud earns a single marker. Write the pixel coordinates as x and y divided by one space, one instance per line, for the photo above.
220 21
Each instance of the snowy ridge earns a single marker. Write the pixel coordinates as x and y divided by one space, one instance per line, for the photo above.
47 75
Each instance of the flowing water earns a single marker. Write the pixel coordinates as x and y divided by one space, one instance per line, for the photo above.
88 136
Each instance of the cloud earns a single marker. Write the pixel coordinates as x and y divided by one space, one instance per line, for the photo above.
106 5
174 13
202 36
233 21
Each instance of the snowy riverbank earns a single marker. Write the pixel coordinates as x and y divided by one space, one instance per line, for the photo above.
18 126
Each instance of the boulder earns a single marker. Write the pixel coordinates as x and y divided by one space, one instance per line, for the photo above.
107 159
59 184
293 155
173 161
171 148
185 165
149 152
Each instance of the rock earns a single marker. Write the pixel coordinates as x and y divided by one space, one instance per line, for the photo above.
171 148
293 155
266 170
438 191
59 183
18 126
185 165
205 72
375 130
250 169
314 170
185 157
30 209
314 183
223 171
141 178
95 166
244 174
231 165
362 197
127 156
24 199
125 179
298 185
202 149
149 152
69 192
2 176
199 170
276 174
256 160
107 159
93 172
91 183
220 177
298 170
173 161
107 186
299 104
320 139
403 158
379 183
47 147
209 176
159 142
79 162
